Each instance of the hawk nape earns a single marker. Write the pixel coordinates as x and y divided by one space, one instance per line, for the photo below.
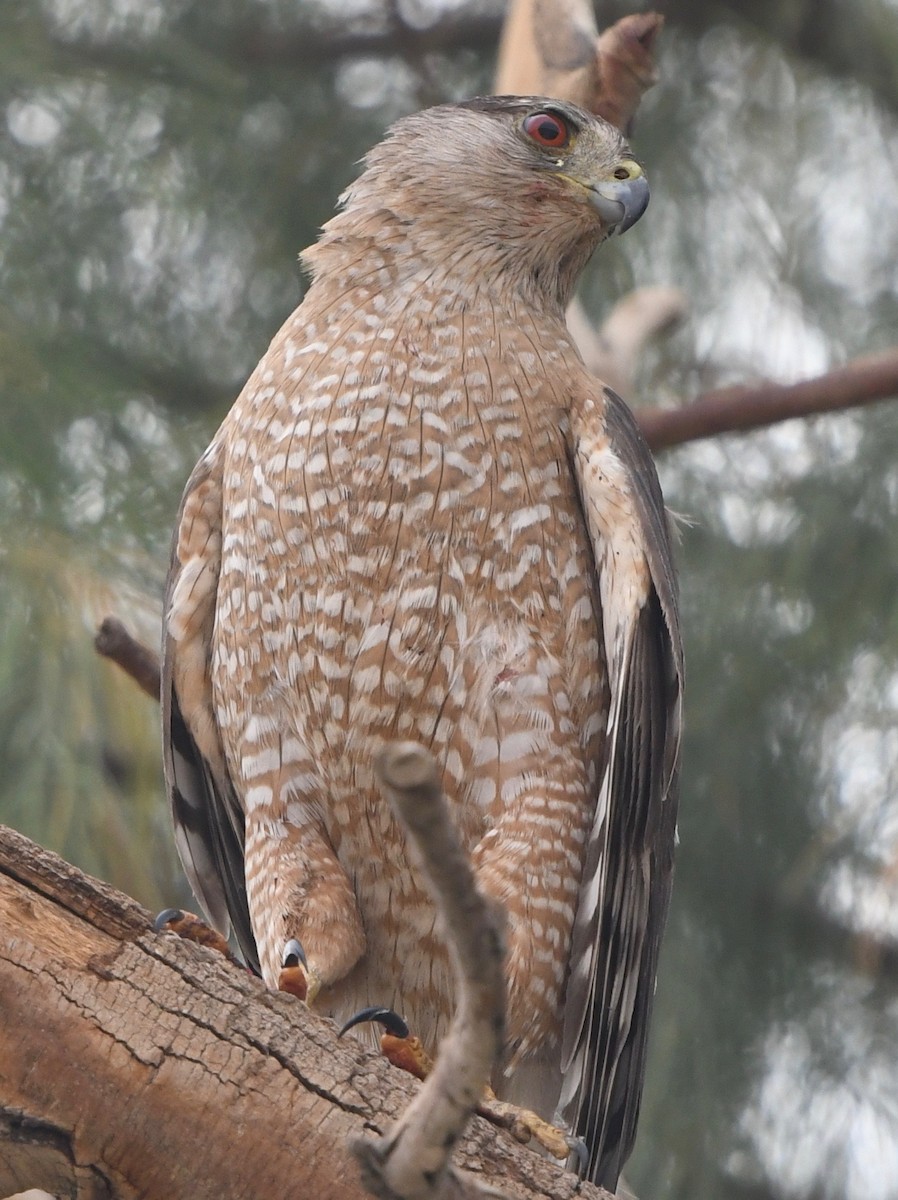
424 519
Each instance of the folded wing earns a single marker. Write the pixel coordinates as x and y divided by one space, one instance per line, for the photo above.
626 882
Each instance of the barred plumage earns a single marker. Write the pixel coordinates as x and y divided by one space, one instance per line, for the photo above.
423 519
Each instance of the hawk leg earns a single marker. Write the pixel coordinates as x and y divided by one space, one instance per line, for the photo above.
303 908
404 1050
192 928
296 976
526 1126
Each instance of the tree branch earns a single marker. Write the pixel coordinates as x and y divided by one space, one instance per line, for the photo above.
413 1161
136 1064
864 380
113 641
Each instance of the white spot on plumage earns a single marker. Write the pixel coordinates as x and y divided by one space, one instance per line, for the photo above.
261 763
257 797
524 518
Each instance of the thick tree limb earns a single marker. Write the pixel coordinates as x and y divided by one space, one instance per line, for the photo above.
135 1064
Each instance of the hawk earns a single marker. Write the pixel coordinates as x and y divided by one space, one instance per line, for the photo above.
423 519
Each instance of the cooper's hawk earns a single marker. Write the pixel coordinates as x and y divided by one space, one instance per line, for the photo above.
423 519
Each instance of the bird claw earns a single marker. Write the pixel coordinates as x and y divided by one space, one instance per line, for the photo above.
397 1044
297 977
189 926
391 1021
579 1150
525 1126
168 916
405 1051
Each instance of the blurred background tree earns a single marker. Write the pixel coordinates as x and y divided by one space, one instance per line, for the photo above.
161 164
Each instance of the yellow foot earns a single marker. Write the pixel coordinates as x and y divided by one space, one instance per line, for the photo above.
297 977
525 1126
190 927
405 1051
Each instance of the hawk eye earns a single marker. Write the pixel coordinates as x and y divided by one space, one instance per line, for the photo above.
547 129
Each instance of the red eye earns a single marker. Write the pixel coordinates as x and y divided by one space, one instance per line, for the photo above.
547 129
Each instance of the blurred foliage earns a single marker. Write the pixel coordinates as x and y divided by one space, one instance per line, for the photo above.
161 164
78 743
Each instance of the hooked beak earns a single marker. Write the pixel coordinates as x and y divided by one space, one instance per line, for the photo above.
620 202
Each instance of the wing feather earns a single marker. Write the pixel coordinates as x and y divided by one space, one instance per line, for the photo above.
207 814
625 888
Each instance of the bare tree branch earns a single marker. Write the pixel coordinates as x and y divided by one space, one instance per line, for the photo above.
413 1161
862 381
114 642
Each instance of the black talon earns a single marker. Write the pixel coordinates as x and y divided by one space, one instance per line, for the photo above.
578 1147
163 918
294 955
390 1020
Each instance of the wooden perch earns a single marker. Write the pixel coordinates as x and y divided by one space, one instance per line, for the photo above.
135 1064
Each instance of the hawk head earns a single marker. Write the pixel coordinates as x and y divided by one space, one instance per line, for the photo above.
513 189
588 157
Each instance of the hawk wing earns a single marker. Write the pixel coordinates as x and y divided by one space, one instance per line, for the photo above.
626 880
206 811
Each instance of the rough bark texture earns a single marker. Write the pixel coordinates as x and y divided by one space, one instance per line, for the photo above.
135 1064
